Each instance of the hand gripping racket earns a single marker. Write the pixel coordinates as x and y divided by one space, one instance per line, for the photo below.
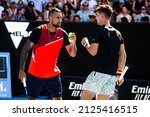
115 95
124 71
25 87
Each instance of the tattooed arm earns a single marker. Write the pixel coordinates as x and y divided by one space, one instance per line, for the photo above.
23 56
33 39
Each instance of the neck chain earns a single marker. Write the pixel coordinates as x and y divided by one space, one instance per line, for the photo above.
49 34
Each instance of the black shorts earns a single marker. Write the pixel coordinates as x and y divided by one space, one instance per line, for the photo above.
51 86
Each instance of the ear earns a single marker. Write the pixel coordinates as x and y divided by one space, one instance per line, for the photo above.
49 17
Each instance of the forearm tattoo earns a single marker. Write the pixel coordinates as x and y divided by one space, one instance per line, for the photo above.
24 53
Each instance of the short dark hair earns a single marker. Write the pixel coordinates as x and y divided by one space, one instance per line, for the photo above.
106 9
124 19
5 11
54 10
76 16
145 19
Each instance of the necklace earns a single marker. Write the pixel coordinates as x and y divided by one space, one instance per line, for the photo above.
50 40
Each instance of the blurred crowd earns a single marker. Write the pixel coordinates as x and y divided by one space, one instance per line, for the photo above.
74 10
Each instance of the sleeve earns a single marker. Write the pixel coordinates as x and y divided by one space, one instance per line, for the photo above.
35 35
98 35
120 37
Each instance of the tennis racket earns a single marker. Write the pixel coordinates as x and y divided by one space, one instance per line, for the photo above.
25 87
115 95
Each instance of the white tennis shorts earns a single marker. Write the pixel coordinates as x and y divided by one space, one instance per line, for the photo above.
100 83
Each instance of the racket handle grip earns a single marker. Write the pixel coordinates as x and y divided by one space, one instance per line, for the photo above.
24 82
124 71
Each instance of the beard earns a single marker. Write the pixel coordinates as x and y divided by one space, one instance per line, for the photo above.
57 25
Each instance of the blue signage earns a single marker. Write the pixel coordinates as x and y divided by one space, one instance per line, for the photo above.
5 75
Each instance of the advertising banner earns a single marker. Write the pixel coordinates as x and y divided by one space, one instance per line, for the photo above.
5 75
135 90
72 86
130 90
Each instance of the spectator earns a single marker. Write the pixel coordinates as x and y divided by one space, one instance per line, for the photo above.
5 16
20 2
92 18
39 18
143 13
12 10
92 4
148 6
39 4
145 19
137 5
117 6
20 14
84 12
47 8
76 18
66 13
60 4
30 12
73 5
125 15
1 9
5 4
124 20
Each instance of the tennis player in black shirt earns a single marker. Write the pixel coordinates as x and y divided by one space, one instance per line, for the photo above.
109 53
